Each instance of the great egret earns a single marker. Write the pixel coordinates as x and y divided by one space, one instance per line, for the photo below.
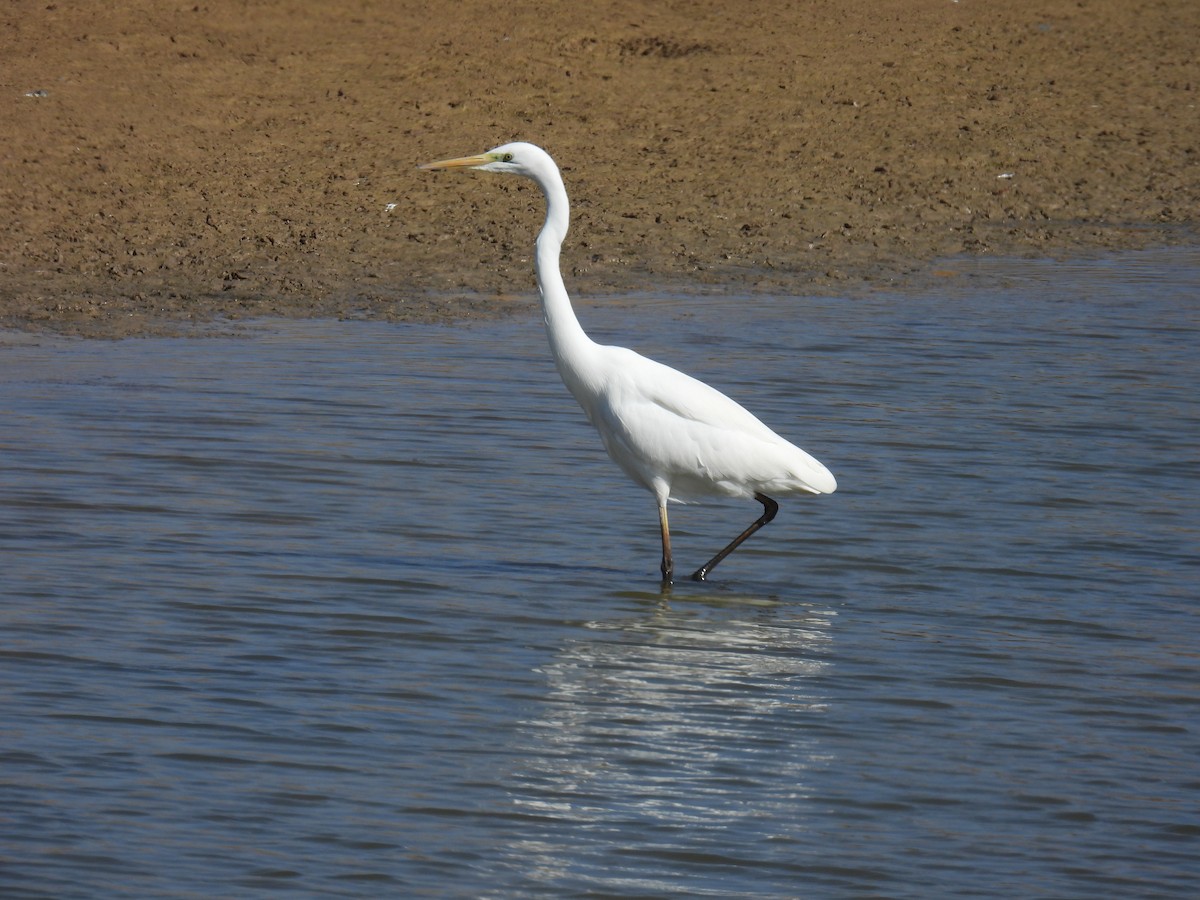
676 436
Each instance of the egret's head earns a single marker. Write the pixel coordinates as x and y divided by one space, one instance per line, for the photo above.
517 158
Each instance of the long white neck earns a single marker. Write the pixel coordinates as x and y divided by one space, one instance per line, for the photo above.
568 342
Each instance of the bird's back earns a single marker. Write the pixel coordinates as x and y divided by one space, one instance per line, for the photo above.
665 427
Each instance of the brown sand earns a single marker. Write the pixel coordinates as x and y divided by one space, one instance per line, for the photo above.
165 163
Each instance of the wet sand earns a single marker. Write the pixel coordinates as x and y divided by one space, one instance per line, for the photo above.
165 165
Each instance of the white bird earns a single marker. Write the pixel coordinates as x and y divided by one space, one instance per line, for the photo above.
676 436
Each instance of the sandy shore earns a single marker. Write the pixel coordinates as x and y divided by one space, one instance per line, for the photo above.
165 164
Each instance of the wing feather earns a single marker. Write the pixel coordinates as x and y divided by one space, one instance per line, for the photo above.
658 423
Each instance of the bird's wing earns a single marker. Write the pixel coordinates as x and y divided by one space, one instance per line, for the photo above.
686 397
658 422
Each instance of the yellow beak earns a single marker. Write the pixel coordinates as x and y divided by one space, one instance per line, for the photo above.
463 162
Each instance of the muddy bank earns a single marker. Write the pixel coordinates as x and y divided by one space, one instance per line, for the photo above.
170 163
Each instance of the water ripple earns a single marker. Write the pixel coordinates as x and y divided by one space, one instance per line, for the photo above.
340 609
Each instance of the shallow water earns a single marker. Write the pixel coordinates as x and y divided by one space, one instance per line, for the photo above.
363 610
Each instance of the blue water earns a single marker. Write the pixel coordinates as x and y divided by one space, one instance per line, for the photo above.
362 610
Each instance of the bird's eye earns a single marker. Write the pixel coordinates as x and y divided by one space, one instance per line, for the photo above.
507 157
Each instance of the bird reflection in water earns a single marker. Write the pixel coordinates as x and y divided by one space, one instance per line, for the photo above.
685 730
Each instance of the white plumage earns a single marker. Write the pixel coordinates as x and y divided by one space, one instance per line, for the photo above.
672 434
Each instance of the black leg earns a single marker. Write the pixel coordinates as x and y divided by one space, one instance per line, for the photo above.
668 564
770 507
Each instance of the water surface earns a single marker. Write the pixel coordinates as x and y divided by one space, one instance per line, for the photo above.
351 609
